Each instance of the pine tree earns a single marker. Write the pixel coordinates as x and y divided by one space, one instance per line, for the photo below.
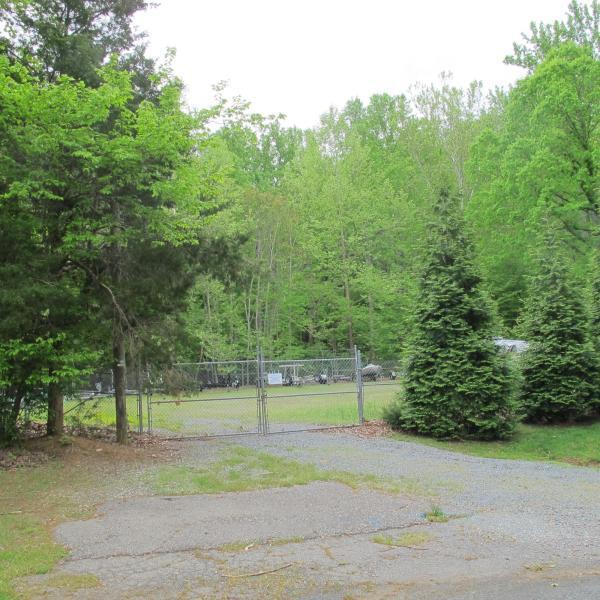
595 301
560 368
457 384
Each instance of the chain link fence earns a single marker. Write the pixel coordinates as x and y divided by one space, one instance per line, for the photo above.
223 398
90 402
204 399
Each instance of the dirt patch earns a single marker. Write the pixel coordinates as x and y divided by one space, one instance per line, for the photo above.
369 429
16 458
95 445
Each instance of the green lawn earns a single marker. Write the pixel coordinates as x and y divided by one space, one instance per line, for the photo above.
235 411
99 412
575 444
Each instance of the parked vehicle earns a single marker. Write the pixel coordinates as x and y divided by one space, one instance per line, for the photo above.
372 372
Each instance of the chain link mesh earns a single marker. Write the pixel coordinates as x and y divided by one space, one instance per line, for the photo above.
240 397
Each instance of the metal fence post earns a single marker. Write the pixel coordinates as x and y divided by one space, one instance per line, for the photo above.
258 392
149 407
265 413
261 394
140 408
359 385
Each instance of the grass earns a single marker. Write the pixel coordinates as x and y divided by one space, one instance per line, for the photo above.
243 546
26 548
436 515
236 546
99 412
65 582
236 410
34 499
407 540
574 444
242 469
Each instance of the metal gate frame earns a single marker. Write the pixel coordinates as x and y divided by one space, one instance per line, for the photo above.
263 423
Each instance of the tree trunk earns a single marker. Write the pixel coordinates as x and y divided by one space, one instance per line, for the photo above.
9 416
55 422
119 375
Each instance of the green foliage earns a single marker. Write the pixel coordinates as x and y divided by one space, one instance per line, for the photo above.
581 27
560 368
457 385
541 157
595 300
108 204
136 221
70 38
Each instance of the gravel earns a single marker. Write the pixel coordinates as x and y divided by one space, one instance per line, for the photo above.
544 502
519 530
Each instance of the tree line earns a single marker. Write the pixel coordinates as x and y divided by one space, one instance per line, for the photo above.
133 229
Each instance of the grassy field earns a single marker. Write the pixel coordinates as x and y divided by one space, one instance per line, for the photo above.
575 444
235 411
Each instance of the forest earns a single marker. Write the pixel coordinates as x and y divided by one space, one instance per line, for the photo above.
134 229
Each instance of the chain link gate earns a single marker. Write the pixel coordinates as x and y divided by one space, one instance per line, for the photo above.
241 397
255 397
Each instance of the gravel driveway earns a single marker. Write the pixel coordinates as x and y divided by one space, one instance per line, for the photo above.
518 530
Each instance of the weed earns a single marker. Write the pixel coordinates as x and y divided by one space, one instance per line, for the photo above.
243 546
297 539
436 515
386 540
407 540
236 546
538 567
65 440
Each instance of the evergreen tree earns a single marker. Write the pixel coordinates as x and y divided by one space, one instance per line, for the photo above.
559 368
595 304
457 385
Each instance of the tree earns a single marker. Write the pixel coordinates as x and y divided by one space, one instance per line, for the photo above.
560 369
108 203
542 158
581 27
45 336
54 39
457 385
148 185
595 299
71 37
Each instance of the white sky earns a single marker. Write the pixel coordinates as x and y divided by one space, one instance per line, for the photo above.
299 57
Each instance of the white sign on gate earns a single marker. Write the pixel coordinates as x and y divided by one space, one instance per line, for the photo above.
275 378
